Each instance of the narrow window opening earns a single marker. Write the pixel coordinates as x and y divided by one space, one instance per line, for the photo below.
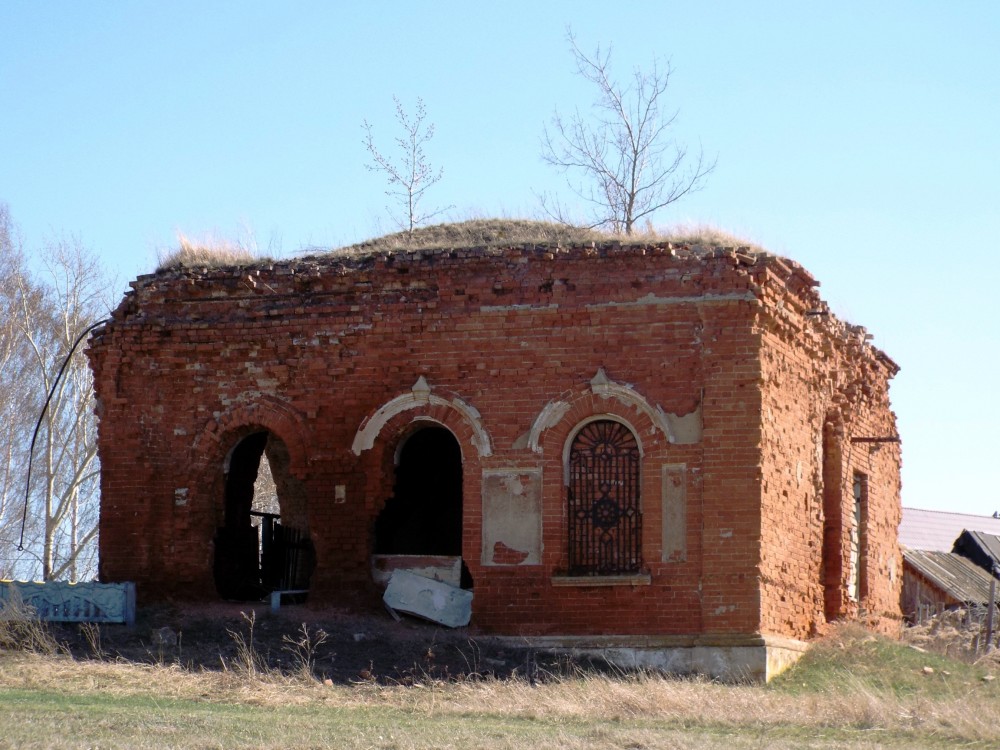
833 565
859 538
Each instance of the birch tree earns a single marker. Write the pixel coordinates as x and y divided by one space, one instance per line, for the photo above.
16 403
45 313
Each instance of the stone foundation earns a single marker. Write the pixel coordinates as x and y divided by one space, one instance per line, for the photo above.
729 658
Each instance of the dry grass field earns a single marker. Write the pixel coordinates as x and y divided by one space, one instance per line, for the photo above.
853 690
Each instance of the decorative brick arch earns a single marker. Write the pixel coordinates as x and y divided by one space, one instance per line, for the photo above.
210 448
576 427
458 416
381 437
205 500
600 397
264 413
552 434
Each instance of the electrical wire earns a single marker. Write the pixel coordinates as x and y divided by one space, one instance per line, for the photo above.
38 424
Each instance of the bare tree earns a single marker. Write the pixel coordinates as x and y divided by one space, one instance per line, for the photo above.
623 160
17 400
69 493
409 174
43 317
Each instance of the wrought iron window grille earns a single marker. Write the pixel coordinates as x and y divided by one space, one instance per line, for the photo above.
605 516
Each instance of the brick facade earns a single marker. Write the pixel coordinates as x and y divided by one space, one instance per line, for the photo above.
753 411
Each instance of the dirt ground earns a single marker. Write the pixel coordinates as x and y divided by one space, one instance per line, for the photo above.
356 647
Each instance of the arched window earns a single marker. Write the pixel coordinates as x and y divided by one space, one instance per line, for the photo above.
605 517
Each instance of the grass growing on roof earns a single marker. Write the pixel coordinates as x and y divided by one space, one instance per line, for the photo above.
514 232
479 233
206 254
704 235
473 233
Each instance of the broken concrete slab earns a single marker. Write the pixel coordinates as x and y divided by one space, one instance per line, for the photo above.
432 600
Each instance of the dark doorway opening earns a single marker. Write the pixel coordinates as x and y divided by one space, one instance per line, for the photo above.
263 544
424 514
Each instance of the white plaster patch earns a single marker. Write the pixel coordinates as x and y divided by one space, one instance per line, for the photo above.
515 308
447 569
652 299
601 386
674 513
548 417
513 485
685 429
726 533
512 516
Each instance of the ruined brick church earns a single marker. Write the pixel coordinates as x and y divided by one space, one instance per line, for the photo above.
650 447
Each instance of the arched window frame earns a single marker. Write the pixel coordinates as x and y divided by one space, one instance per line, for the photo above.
586 559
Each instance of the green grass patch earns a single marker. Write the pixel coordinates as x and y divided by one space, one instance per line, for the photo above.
859 659
48 718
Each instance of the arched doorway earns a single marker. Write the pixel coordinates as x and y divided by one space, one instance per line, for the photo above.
263 544
424 514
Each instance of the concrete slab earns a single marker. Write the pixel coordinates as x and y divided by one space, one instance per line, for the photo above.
432 600
438 567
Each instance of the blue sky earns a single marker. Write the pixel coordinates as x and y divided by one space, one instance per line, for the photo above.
863 142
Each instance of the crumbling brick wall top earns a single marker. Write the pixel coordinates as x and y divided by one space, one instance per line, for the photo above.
783 284
293 275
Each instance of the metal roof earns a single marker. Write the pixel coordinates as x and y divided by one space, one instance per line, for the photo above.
957 576
989 542
982 549
937 530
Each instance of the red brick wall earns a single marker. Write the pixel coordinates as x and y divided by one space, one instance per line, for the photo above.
311 350
823 385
